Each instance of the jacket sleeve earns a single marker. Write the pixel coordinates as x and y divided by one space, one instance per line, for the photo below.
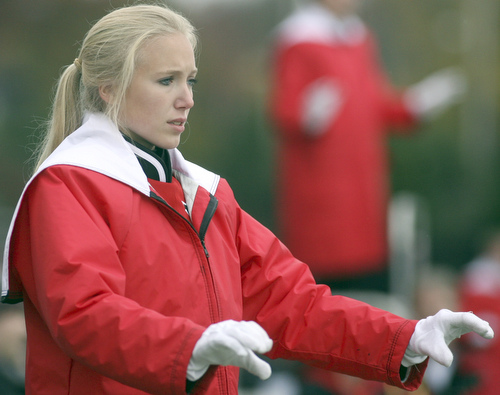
395 112
76 281
295 68
299 66
308 324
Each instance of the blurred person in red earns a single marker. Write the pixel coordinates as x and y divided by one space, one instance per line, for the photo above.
333 108
479 361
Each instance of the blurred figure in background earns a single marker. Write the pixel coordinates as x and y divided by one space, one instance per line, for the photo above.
12 351
13 334
479 365
333 106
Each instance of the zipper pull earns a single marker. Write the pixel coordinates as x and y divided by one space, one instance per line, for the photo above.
205 248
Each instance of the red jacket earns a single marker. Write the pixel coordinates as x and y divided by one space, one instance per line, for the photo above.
333 188
119 282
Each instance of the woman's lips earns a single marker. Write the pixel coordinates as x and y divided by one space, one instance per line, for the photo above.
178 124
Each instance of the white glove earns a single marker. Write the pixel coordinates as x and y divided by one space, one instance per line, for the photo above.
436 92
321 104
433 334
231 343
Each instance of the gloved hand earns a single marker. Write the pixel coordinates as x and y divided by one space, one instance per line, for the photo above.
322 102
231 343
433 334
436 92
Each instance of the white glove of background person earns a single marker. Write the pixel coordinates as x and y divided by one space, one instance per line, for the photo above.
321 104
231 343
433 335
436 92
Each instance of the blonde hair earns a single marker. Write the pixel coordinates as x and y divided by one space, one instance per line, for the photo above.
107 57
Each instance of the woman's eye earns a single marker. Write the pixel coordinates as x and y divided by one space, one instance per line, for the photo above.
192 81
166 81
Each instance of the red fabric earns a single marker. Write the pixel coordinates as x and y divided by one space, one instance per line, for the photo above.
333 189
173 193
480 358
118 289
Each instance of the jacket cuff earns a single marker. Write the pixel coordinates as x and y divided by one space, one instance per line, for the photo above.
178 378
415 373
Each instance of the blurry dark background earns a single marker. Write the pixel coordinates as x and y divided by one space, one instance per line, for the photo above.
452 164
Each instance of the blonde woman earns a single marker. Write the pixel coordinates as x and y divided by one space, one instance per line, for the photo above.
139 271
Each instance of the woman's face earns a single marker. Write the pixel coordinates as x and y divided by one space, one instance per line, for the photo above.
159 98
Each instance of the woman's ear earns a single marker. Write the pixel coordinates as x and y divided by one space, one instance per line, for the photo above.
106 93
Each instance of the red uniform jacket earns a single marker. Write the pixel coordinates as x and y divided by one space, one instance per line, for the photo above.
119 281
333 188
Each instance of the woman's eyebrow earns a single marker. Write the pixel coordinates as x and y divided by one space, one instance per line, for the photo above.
177 71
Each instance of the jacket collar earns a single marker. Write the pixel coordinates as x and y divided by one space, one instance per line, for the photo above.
99 146
155 163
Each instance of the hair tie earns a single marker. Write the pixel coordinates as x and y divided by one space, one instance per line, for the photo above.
78 64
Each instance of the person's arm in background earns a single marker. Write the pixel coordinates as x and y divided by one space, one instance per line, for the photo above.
436 92
305 97
423 101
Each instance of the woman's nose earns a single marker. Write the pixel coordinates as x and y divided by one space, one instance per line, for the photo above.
185 99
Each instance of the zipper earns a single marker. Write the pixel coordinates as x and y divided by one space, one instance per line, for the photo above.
207 218
215 309
201 236
205 248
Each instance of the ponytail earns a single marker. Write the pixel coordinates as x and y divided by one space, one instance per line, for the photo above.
66 113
